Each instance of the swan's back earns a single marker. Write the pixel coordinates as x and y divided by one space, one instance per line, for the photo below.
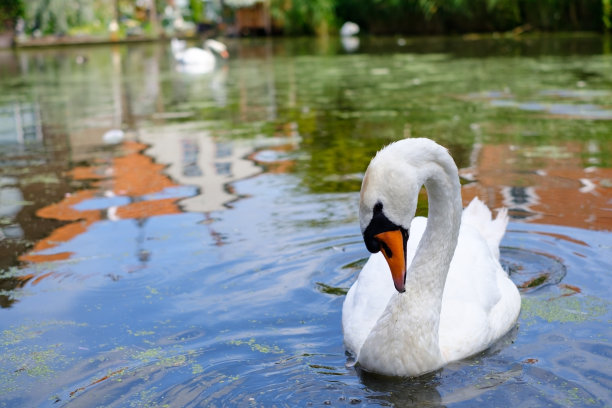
480 303
197 56
478 215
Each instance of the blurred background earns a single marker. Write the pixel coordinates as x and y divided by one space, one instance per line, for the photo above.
28 22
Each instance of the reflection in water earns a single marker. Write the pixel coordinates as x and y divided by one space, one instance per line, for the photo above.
418 392
558 171
125 188
350 44
580 111
519 200
20 123
131 274
194 158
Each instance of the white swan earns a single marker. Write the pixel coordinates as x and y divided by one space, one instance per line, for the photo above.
349 29
454 299
198 60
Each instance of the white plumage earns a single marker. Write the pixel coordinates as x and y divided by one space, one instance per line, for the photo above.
195 60
349 29
458 300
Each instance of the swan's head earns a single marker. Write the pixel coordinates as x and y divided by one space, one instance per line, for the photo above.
388 202
218 47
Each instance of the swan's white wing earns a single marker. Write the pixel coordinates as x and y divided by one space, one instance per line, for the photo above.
478 215
365 301
480 303
197 56
367 298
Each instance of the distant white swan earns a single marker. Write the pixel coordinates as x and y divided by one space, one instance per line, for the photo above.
453 299
349 29
198 60
113 136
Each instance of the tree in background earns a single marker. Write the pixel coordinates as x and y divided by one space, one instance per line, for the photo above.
10 12
197 10
58 17
135 17
304 16
73 17
460 16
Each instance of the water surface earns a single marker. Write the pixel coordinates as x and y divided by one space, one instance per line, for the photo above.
202 260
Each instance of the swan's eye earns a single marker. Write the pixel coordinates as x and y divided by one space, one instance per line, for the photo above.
372 244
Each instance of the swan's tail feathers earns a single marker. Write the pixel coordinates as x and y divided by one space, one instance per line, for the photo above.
478 215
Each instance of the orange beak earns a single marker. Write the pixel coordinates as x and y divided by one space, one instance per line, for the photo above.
224 54
392 243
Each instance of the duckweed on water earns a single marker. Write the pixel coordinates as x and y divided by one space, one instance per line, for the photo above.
22 364
166 358
141 333
27 332
148 355
262 348
36 363
563 309
18 357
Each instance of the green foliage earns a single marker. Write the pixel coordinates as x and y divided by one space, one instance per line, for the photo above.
59 16
304 16
450 16
606 14
323 16
10 11
197 10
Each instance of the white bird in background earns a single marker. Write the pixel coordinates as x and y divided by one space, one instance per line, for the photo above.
113 136
349 29
433 290
348 38
197 60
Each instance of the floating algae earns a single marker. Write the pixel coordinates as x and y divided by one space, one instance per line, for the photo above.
564 309
262 348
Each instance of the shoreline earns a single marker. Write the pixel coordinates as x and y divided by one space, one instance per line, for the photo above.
67 41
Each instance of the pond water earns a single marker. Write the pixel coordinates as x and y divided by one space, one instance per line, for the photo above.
202 257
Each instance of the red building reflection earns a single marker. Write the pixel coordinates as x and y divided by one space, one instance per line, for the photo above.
545 185
132 175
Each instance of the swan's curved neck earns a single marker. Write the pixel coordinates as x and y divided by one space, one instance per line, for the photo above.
426 275
428 270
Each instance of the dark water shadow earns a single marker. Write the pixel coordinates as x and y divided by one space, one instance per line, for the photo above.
404 392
